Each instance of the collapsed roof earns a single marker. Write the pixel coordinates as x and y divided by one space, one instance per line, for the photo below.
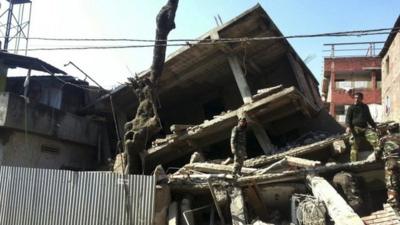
200 68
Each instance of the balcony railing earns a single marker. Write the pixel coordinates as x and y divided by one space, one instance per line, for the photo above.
347 85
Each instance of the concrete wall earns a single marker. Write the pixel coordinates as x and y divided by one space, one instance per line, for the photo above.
391 81
44 120
31 150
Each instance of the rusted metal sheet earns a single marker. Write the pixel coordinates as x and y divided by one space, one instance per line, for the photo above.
55 197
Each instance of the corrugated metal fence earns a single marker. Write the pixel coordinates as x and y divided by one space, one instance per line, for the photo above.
56 197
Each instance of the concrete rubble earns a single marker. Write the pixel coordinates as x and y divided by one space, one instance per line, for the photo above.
176 127
268 190
294 147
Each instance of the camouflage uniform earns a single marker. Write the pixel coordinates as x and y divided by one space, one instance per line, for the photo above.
390 153
358 117
362 135
238 147
346 184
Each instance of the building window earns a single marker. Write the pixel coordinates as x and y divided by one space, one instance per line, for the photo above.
387 105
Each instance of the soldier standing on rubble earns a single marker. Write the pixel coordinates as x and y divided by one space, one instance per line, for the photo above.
238 145
389 151
357 119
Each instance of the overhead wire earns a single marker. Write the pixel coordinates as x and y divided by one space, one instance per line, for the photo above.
339 33
191 42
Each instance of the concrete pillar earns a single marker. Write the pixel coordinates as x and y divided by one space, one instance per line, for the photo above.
240 78
237 206
300 76
162 203
338 209
333 76
259 131
332 109
262 137
373 80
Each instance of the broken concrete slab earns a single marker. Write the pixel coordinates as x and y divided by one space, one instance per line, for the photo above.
219 128
338 209
216 168
306 149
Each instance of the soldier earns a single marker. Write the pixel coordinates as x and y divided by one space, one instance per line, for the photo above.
238 145
389 151
357 119
348 186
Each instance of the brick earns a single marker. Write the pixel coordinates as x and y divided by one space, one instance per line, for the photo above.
384 219
351 64
371 217
387 214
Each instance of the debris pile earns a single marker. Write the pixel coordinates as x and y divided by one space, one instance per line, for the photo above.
311 183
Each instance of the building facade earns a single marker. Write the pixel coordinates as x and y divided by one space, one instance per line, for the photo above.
40 120
345 75
391 75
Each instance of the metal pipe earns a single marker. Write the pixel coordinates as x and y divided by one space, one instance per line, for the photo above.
356 43
8 28
193 210
73 64
29 28
26 83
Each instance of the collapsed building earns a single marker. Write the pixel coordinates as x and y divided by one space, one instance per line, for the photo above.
295 148
293 143
205 85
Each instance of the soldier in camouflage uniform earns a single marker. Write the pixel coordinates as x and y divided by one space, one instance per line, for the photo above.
348 186
238 145
358 117
389 151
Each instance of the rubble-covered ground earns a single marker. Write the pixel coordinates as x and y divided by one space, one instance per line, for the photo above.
294 185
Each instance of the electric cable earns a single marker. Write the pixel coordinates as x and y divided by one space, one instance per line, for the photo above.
339 33
192 42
